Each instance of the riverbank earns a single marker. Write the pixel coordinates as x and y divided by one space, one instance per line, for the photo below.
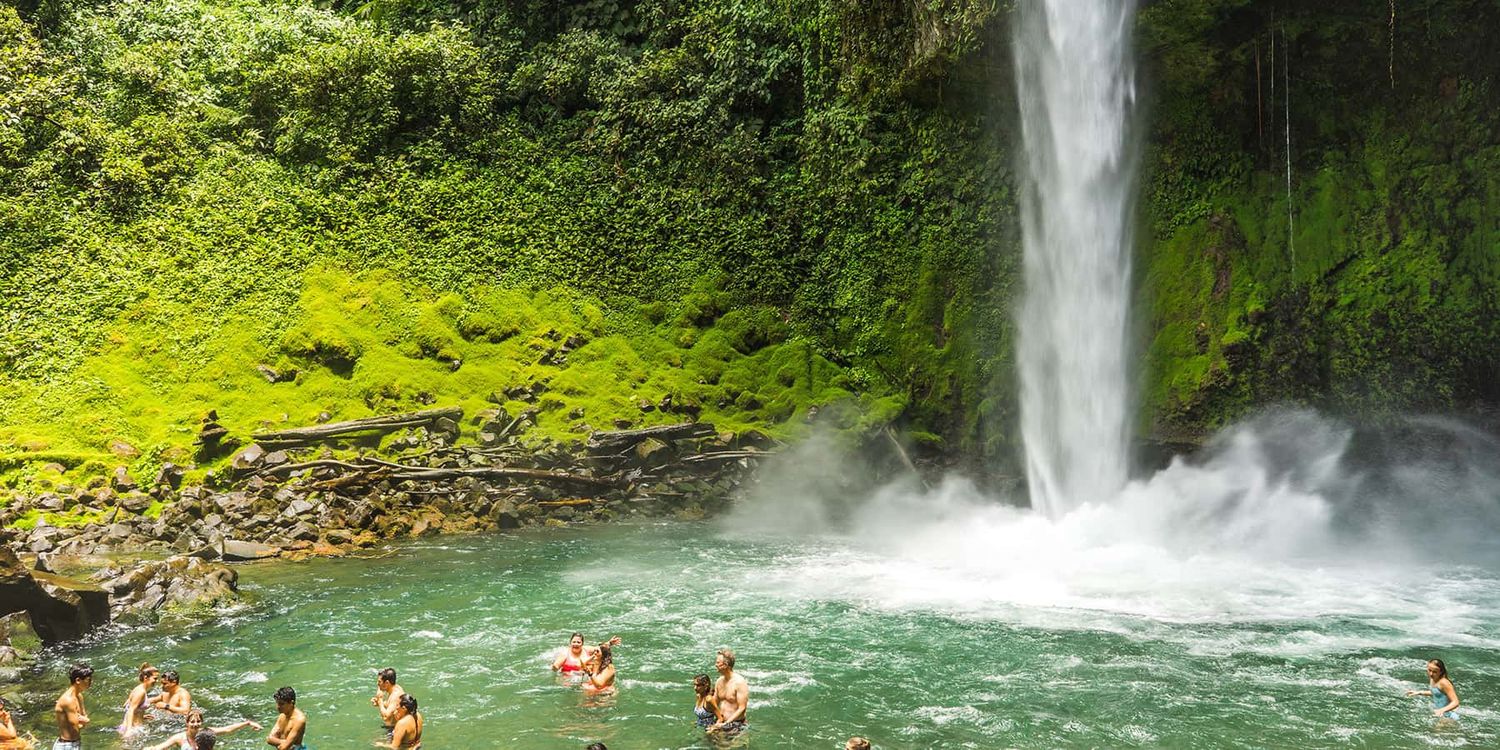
138 554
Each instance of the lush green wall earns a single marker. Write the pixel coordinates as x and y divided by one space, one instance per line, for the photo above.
186 188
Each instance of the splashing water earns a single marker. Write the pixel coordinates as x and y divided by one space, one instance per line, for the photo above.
1077 87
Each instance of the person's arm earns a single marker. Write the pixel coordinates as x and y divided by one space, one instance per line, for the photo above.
235 727
284 740
173 741
181 703
1447 687
562 656
388 708
604 678
8 731
398 735
1410 693
74 714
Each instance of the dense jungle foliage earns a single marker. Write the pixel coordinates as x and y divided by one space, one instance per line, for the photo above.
759 209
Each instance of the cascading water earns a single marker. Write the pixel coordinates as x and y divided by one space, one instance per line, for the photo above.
1076 86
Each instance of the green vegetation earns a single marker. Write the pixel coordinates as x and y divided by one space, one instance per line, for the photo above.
753 208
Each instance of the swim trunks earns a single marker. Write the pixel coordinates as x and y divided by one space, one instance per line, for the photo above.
67 745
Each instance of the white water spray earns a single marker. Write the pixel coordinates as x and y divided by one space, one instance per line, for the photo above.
1076 84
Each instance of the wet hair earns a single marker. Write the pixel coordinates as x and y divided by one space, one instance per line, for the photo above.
728 655
80 672
387 675
147 670
195 711
206 739
606 655
1442 668
701 684
170 676
596 746
857 743
285 695
409 703
575 635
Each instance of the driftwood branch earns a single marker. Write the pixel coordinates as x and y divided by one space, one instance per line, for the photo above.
497 472
726 456
618 440
368 424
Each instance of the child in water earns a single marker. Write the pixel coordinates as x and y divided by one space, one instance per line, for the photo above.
1444 697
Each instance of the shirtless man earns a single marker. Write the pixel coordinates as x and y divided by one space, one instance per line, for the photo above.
9 738
732 693
291 723
71 715
174 697
387 696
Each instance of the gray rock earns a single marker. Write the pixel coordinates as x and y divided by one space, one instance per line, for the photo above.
248 459
298 507
236 550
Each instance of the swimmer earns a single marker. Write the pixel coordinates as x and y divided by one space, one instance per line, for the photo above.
596 746
407 734
857 743
193 731
732 694
69 710
600 672
206 740
135 703
706 709
9 738
1444 697
174 697
291 723
387 696
575 655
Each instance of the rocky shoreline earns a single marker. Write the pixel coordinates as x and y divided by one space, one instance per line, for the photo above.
329 490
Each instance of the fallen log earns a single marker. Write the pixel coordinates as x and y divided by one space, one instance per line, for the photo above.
574 503
368 424
497 472
324 463
726 456
619 440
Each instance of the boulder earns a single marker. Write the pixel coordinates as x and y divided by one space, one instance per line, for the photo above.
123 449
182 584
120 480
248 459
239 551
169 475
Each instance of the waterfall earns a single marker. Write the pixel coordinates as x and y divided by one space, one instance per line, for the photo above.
1076 84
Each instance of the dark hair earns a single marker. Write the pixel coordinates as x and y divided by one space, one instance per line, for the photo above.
285 695
80 672
170 676
388 675
702 684
596 746
409 703
606 656
206 739
575 635
146 670
1442 669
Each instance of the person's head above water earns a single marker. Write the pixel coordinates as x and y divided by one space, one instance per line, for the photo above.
386 676
857 743
408 704
603 656
596 746
80 673
147 672
206 740
170 678
701 684
724 659
1436 670
285 696
575 642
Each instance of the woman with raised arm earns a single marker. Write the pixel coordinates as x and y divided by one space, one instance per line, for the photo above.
135 703
187 739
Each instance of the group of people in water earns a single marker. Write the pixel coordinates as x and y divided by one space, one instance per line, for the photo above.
720 708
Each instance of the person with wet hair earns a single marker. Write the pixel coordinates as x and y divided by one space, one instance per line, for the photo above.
206 740
596 746
407 733
705 708
573 658
191 736
387 697
72 716
174 698
857 743
599 674
1440 687
135 703
291 723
